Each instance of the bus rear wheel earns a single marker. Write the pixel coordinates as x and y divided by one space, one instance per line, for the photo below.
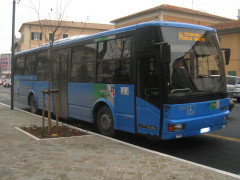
105 122
33 104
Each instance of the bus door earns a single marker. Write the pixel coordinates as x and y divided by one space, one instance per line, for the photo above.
60 81
148 94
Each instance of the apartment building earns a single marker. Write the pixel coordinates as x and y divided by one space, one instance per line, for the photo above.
167 12
35 33
229 37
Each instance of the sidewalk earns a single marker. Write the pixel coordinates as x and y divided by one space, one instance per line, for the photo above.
85 157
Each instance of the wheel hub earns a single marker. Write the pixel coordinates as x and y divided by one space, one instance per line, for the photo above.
105 122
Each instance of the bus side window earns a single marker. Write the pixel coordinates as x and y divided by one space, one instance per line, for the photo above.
83 65
113 61
43 67
20 65
148 81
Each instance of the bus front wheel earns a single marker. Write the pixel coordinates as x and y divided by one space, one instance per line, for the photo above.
33 104
105 121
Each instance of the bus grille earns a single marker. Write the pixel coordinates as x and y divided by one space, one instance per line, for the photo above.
196 98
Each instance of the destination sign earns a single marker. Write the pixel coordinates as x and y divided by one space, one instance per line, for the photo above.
189 36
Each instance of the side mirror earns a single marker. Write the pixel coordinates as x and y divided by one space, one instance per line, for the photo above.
227 53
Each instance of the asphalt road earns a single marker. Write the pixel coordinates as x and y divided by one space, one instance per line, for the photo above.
220 149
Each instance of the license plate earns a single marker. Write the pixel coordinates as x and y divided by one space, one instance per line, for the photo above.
205 130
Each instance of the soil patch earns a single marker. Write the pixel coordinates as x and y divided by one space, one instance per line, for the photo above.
61 131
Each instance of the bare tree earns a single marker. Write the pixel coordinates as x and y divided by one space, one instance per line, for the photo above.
52 30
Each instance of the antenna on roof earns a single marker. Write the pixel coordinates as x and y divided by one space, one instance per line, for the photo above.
192 8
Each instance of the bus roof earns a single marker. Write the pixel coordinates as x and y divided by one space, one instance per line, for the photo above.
119 30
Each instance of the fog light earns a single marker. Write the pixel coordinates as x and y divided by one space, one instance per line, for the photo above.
175 127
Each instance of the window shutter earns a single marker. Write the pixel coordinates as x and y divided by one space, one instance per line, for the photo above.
32 35
40 36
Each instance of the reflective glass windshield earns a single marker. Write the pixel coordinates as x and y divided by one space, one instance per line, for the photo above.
196 62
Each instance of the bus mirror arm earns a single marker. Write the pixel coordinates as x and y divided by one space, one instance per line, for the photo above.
227 52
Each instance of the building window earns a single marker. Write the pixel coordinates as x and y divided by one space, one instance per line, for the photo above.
36 36
51 36
65 36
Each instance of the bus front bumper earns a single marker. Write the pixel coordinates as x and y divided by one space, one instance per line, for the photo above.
195 126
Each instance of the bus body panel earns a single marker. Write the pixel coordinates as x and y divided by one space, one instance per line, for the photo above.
167 136
195 116
22 87
119 98
124 107
80 100
38 86
148 118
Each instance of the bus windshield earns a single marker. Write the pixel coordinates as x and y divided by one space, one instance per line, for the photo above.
196 62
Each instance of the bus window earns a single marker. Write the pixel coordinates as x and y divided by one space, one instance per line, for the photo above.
148 81
30 64
113 63
43 67
83 64
20 65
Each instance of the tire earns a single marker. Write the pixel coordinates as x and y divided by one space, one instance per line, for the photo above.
238 100
33 107
105 123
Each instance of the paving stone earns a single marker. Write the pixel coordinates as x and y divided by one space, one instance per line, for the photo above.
86 157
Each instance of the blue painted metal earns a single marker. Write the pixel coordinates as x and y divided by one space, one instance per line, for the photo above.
124 107
37 89
195 116
80 101
175 24
148 118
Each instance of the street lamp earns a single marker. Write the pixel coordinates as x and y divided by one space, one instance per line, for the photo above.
13 55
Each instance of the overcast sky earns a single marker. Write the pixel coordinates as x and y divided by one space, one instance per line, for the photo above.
96 11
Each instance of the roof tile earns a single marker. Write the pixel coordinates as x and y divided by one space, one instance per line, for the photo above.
173 8
71 24
226 25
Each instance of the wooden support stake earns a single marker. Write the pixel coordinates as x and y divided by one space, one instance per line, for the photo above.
57 110
49 112
43 112
45 91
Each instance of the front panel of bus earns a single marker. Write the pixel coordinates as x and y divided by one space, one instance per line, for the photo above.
197 98
187 96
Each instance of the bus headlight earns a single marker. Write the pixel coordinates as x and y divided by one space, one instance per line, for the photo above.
175 127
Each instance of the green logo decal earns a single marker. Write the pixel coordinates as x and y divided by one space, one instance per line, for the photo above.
99 91
214 104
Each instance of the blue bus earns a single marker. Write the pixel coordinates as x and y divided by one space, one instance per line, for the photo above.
162 79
